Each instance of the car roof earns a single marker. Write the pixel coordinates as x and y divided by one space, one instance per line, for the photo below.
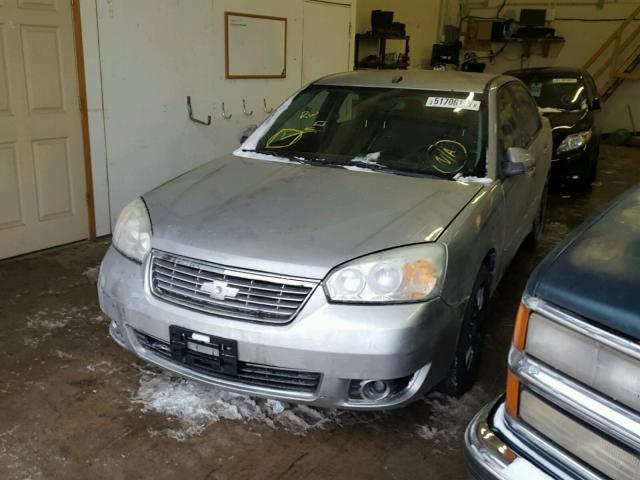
412 79
593 272
546 71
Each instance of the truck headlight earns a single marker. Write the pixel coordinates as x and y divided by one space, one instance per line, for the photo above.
585 359
132 235
405 274
574 141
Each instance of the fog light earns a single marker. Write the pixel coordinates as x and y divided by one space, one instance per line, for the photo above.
375 389
378 390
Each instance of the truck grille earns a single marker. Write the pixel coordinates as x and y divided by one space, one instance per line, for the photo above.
248 373
250 296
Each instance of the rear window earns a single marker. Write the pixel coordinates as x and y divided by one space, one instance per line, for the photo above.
565 92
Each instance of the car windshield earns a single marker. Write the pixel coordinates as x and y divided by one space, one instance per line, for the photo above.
563 92
404 131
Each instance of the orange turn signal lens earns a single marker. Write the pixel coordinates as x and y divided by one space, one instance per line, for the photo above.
520 328
513 395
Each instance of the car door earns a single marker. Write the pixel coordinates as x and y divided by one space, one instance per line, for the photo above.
518 127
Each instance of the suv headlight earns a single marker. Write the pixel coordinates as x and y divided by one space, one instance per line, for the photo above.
132 235
574 141
405 274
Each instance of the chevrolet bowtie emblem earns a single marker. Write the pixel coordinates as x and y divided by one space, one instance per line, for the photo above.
219 290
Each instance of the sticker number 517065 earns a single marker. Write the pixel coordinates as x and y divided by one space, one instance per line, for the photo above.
448 102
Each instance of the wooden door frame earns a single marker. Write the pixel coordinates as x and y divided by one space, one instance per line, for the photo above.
84 115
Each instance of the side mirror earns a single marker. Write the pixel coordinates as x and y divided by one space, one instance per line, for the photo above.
519 161
596 105
247 132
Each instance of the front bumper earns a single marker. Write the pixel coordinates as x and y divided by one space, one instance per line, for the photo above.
573 164
488 456
341 342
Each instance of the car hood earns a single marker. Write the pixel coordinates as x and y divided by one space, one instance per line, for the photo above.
594 271
297 220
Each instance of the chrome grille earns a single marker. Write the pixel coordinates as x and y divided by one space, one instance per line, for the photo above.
248 373
254 297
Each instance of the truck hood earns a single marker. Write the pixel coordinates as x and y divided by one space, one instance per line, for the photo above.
297 220
593 272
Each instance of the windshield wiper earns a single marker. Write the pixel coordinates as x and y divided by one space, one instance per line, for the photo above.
384 168
288 156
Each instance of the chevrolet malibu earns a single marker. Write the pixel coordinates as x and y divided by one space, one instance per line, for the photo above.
572 406
343 256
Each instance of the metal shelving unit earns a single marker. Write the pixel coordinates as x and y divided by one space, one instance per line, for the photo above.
382 50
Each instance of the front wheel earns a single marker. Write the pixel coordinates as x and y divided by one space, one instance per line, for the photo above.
464 369
590 175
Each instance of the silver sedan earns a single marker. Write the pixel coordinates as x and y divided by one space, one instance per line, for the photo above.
343 256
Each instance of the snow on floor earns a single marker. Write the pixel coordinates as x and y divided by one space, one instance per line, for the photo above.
195 406
92 273
449 416
44 322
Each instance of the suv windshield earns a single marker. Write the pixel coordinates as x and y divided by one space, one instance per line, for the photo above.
397 130
563 92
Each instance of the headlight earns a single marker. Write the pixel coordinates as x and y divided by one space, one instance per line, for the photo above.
132 235
405 274
574 141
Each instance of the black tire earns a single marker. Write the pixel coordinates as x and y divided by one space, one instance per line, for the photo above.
532 240
584 183
593 168
464 368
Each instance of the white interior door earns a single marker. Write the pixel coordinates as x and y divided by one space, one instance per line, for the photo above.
42 181
326 41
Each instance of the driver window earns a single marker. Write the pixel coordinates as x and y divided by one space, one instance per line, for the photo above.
509 133
526 111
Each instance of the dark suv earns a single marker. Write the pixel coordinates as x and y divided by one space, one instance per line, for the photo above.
569 99
572 404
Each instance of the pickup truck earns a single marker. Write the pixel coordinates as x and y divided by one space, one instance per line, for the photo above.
572 404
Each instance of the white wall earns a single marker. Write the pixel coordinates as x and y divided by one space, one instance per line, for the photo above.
582 41
89 21
143 58
421 18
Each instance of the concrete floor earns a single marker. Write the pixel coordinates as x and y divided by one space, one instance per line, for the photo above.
68 392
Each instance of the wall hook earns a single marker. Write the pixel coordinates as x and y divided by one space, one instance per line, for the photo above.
244 109
224 113
193 119
267 110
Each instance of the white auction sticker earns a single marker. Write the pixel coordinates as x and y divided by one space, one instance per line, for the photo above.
564 80
448 102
